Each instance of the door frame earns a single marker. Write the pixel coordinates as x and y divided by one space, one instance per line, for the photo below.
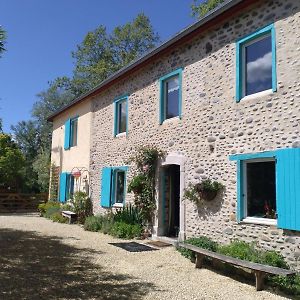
158 228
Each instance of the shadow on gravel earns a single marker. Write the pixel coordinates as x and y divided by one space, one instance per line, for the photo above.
37 267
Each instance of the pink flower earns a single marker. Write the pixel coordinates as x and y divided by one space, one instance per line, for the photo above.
146 168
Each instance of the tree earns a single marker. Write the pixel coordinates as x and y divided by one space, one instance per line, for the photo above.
12 163
101 54
2 40
41 166
200 8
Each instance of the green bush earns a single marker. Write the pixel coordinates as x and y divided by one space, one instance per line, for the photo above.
107 223
125 231
43 207
93 223
52 210
82 206
241 250
57 217
202 242
129 215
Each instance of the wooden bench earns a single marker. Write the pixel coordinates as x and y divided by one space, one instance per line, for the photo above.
259 270
70 215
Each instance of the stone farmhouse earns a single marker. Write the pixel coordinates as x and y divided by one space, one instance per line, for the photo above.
222 100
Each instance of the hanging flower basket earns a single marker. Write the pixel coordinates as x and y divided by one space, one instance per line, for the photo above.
208 195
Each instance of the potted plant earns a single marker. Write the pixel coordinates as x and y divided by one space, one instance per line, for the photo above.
206 190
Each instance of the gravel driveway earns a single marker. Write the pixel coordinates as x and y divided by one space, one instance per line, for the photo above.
40 259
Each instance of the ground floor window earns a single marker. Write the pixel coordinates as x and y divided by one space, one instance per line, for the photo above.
260 188
119 186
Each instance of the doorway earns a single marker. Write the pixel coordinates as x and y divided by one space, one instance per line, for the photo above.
171 200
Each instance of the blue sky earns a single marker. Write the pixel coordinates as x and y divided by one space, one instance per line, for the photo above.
42 34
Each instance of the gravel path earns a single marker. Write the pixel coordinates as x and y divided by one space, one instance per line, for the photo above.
40 259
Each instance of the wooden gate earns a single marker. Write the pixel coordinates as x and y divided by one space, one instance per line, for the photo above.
15 202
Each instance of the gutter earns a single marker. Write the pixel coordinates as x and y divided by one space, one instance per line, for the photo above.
183 36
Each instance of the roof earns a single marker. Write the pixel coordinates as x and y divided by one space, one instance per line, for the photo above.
221 13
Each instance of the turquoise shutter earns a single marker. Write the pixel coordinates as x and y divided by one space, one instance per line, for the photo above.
63 187
288 188
106 187
240 209
67 134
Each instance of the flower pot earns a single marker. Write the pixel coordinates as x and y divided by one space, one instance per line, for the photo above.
208 195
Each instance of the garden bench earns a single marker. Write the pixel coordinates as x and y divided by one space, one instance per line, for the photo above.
70 215
259 270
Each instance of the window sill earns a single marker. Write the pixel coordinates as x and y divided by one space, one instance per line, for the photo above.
260 221
257 95
118 205
171 120
122 134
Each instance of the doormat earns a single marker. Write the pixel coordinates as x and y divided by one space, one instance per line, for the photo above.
159 244
133 247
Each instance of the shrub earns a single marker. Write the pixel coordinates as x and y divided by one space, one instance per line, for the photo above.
107 223
202 242
57 217
241 250
43 207
82 206
52 210
93 223
129 215
126 231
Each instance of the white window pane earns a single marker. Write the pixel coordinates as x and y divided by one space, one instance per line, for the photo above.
172 97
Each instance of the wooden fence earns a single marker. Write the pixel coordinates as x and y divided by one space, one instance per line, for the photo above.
15 202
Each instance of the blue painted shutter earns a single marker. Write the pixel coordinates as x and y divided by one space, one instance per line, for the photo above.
67 134
63 187
288 188
106 187
240 209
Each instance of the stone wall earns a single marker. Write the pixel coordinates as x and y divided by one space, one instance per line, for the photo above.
213 125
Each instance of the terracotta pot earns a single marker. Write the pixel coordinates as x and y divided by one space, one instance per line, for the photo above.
208 195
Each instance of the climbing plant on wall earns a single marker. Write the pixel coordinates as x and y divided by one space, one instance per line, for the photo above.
143 183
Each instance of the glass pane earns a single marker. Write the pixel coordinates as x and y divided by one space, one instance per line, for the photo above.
261 189
258 59
120 187
122 116
172 97
74 132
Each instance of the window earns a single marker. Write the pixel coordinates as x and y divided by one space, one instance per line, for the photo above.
260 189
113 186
73 135
119 187
170 95
121 115
256 63
268 189
71 131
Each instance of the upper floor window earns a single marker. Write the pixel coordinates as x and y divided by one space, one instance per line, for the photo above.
71 132
256 63
73 135
121 115
170 95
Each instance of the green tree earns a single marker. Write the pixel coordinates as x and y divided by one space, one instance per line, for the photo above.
2 40
200 8
101 54
41 166
12 163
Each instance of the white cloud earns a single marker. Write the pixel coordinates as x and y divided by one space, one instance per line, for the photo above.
260 69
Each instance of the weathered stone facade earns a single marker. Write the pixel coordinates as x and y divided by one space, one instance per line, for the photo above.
213 124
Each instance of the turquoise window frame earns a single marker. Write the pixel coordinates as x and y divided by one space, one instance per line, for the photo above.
270 29
115 170
162 80
117 101
241 159
71 131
